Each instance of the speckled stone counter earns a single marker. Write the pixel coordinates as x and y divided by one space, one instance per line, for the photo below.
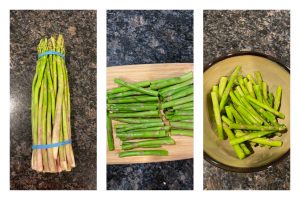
141 37
262 31
79 30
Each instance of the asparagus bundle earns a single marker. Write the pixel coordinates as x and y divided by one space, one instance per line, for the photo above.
51 127
143 108
246 111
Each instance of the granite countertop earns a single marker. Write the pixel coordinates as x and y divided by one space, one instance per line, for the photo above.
144 37
262 31
79 30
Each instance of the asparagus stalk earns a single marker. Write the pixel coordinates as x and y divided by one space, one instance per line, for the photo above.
222 85
146 146
182 132
250 89
184 112
277 98
136 88
263 141
52 164
124 89
180 94
238 150
249 136
177 102
229 86
59 98
257 127
128 107
271 100
44 124
172 81
124 94
143 153
257 90
216 109
182 125
133 99
128 127
138 120
110 138
141 135
168 91
258 79
154 113
180 117
275 112
159 141
162 128
184 106
251 79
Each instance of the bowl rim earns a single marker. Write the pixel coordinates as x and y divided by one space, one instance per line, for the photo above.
244 169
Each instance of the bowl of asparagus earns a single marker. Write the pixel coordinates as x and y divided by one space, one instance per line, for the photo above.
246 112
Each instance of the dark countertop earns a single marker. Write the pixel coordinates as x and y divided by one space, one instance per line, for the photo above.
262 31
144 37
79 30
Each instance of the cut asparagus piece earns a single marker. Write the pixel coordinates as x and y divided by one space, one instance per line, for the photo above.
143 153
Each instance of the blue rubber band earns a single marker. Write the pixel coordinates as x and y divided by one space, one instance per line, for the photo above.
51 53
47 146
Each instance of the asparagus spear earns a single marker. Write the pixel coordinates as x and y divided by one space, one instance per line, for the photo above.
180 94
110 138
180 117
184 106
138 120
184 112
238 150
229 86
172 81
124 94
177 101
141 135
271 100
257 127
154 113
136 88
159 141
275 112
250 89
222 85
216 109
128 127
277 98
168 91
250 136
128 107
59 98
146 146
162 128
124 89
264 141
133 99
258 79
143 153
182 132
257 90
182 125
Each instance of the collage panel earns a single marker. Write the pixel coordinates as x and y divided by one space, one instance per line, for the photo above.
150 100
246 99
53 100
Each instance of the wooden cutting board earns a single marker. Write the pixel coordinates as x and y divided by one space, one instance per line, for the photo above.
135 73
